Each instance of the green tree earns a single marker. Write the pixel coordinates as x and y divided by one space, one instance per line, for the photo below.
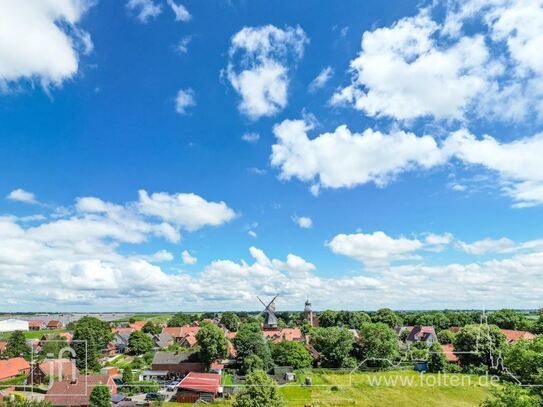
524 359
508 319
477 344
100 397
52 346
17 346
127 375
328 319
445 337
437 362
250 341
260 391
387 317
353 320
230 321
86 351
25 403
181 319
212 342
289 353
252 362
334 345
140 343
151 328
538 325
511 395
378 345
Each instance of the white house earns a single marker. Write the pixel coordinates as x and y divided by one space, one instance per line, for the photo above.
10 325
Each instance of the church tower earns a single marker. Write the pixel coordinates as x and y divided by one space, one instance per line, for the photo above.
308 312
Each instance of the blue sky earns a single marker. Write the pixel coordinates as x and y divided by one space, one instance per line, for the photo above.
358 153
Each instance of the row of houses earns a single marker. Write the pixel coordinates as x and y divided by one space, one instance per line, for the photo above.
11 325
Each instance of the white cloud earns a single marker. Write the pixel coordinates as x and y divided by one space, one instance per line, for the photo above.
321 79
251 137
188 258
376 249
183 45
258 67
41 40
144 9
487 245
21 195
162 255
403 74
189 211
303 221
252 233
345 159
439 240
180 11
185 98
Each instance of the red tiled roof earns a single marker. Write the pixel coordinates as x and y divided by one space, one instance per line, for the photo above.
54 324
138 325
66 393
13 367
292 334
59 368
448 350
36 323
202 382
216 365
513 336
122 330
180 331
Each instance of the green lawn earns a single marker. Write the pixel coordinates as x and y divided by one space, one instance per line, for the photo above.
33 334
337 389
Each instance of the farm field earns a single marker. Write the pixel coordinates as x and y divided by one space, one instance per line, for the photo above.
362 392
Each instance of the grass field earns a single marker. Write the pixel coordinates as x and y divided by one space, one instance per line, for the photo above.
33 334
337 389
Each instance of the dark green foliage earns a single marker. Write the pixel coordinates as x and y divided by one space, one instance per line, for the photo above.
100 397
445 337
181 319
511 395
334 345
481 342
508 319
260 391
524 359
212 342
140 343
249 341
151 328
127 375
17 346
437 362
378 345
387 317
252 362
230 321
327 319
26 403
288 353
96 334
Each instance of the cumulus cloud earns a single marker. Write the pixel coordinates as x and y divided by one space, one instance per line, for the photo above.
346 159
20 195
258 67
188 258
189 211
41 40
374 249
144 9
303 221
487 245
180 11
185 99
427 65
321 79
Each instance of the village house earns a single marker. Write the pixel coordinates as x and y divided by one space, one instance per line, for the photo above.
448 350
177 364
11 368
198 386
420 333
55 324
76 393
183 335
54 370
120 341
163 340
137 325
36 325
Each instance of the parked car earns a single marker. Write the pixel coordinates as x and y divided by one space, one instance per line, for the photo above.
154 397
172 386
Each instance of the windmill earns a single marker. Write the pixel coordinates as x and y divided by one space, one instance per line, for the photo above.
270 320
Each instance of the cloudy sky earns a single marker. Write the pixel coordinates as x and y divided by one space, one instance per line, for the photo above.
188 155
